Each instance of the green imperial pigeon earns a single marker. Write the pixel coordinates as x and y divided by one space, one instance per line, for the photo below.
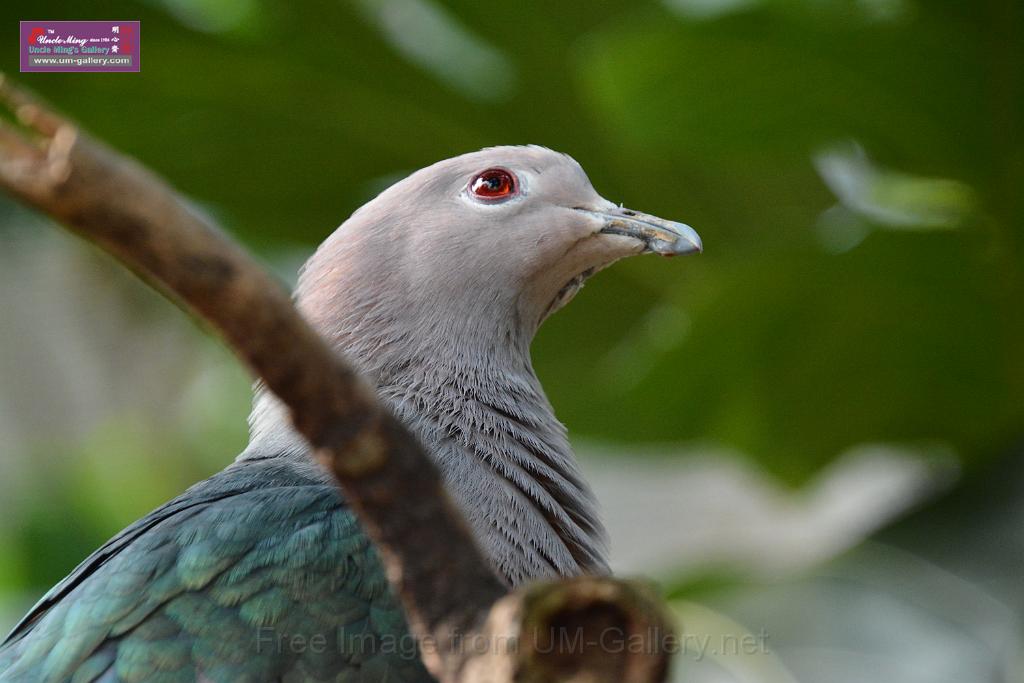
434 291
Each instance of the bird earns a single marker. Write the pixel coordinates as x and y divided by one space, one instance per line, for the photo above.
433 290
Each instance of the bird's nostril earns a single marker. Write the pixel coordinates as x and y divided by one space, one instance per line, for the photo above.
627 212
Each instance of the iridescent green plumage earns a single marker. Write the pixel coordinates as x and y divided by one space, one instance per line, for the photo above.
258 574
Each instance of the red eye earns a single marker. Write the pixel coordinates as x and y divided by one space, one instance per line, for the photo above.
494 183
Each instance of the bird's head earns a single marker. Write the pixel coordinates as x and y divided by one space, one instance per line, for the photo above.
503 231
434 289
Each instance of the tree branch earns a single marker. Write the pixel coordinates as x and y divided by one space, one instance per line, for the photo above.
450 595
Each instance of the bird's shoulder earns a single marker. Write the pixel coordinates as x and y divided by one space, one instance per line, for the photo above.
249 575
244 477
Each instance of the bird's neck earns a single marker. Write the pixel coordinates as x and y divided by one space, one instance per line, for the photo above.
470 394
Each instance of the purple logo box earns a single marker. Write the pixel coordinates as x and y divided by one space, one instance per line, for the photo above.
80 46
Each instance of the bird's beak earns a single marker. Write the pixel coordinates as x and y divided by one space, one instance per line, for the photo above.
658 235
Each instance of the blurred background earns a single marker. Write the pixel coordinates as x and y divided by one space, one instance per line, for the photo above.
812 436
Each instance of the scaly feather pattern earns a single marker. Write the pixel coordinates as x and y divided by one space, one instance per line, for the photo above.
260 573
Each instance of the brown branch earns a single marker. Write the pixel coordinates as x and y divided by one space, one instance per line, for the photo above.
449 593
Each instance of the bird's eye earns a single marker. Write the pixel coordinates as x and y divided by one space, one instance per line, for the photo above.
494 184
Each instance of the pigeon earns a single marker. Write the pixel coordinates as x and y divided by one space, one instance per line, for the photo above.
433 291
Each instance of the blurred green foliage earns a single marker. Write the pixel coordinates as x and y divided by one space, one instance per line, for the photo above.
282 118
871 294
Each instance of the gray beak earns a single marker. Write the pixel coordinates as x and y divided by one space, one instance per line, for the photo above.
659 236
